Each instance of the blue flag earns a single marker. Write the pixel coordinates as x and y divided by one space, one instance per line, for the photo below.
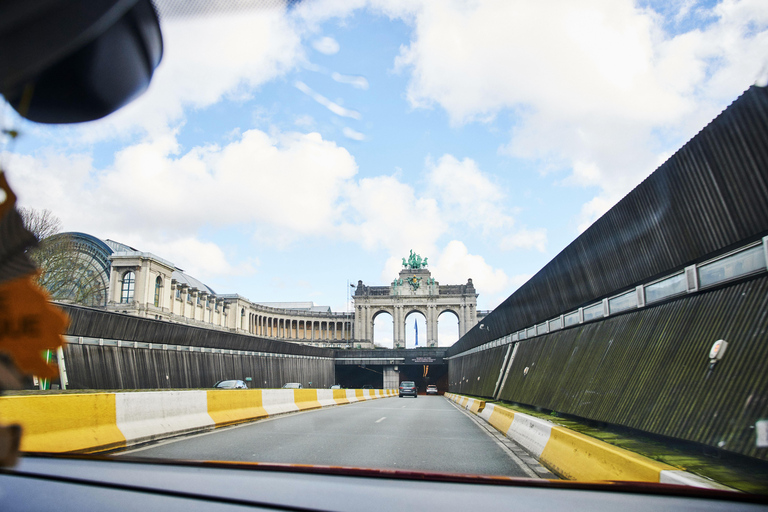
416 328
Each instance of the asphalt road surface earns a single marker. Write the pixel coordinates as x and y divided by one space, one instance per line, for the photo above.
427 433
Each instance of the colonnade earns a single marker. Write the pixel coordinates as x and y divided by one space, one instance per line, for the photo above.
297 329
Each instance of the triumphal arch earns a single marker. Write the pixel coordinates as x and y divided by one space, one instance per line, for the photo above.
414 290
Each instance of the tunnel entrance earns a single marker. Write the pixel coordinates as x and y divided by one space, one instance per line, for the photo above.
387 368
355 377
425 375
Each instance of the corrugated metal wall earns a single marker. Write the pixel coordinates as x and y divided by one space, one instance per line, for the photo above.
709 196
96 323
476 374
104 367
649 369
95 367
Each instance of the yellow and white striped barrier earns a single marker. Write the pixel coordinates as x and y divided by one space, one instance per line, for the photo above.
92 422
576 456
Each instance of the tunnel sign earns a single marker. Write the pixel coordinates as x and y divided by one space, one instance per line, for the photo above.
423 360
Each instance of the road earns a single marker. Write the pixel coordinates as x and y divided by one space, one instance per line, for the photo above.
428 433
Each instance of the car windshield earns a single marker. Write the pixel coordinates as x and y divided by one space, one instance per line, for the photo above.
547 218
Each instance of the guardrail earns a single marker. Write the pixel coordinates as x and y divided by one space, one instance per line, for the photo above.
576 456
95 422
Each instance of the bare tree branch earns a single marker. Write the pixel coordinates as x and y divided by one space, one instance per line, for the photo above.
42 223
69 274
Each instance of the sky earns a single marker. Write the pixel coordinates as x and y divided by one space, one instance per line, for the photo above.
282 153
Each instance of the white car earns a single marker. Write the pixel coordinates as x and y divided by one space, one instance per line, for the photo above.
231 384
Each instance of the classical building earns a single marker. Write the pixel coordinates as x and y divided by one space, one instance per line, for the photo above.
415 290
143 284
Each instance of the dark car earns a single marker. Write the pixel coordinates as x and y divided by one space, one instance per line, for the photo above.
408 388
231 384
367 387
431 389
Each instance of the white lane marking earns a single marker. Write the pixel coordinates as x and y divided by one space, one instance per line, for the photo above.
381 419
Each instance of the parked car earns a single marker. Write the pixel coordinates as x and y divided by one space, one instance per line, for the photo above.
293 385
431 389
336 386
367 387
408 388
230 384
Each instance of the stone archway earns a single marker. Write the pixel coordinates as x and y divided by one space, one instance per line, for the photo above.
414 290
415 317
382 312
442 321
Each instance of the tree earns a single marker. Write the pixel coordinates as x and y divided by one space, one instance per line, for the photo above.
41 223
67 271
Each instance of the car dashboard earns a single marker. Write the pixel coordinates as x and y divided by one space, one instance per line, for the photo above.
76 483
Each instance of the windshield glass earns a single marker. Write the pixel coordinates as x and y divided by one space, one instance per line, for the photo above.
552 216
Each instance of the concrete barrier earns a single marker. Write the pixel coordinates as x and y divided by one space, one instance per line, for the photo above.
226 408
72 423
93 422
576 456
148 415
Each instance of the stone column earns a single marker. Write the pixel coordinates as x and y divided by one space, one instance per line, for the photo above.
358 322
399 321
391 377
147 296
429 321
368 323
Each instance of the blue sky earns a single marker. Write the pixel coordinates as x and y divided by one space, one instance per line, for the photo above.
279 154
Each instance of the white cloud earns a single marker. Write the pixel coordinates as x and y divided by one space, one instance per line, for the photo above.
466 194
198 258
305 121
456 265
326 45
160 198
205 60
386 213
599 86
330 105
358 82
525 239
353 134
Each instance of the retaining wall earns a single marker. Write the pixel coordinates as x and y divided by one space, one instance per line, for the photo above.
129 367
649 369
105 367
